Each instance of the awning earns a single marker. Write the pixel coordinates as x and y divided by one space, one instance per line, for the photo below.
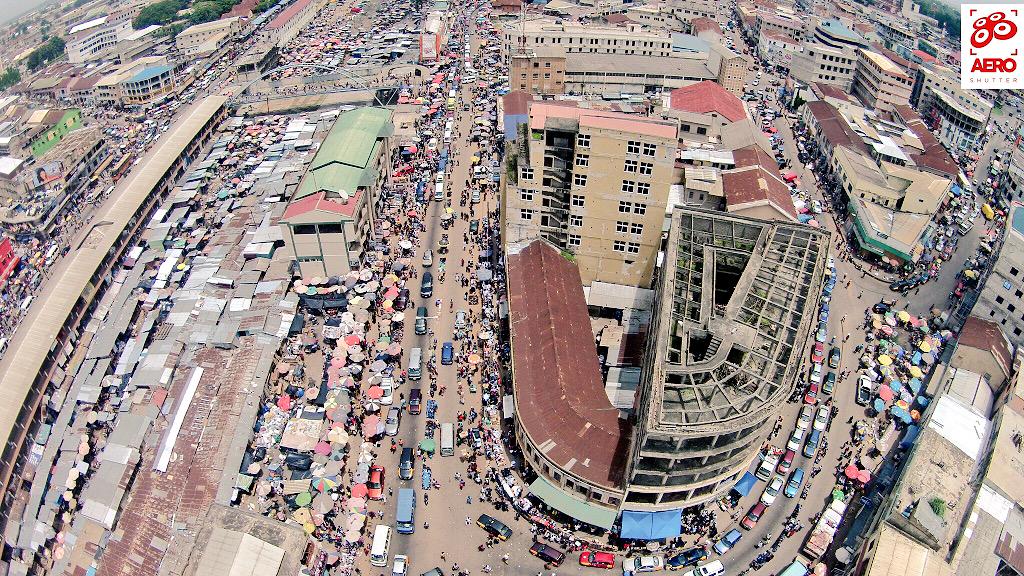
583 511
745 484
638 525
508 406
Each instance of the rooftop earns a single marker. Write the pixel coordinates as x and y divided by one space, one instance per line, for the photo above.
9 165
150 73
284 17
836 28
319 203
557 382
986 335
756 186
882 62
588 117
343 161
732 348
708 97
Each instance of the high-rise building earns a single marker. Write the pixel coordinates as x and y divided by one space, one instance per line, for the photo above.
829 55
596 184
734 307
880 83
958 116
1002 297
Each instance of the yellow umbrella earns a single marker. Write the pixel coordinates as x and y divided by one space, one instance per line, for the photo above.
309 527
884 360
916 372
876 323
302 516
903 315
924 346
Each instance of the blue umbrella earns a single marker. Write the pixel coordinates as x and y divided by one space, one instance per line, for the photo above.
879 405
896 386
915 385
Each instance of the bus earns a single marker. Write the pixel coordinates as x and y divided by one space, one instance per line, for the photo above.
381 544
447 439
405 519
121 167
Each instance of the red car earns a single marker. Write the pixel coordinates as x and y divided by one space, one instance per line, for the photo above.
753 516
375 484
818 353
597 559
811 397
786 463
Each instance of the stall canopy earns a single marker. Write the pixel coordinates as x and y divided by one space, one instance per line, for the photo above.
570 506
651 525
745 484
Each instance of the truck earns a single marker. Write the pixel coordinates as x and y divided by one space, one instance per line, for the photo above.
824 530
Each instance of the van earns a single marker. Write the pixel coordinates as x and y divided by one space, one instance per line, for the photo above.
421 321
427 285
405 517
415 401
381 544
439 192
767 467
406 464
447 439
812 443
416 364
715 568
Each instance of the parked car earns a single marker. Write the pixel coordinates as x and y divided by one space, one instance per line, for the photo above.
812 443
375 482
756 511
863 390
822 417
421 321
803 421
426 285
447 353
687 558
787 461
638 564
796 438
829 384
713 568
428 258
834 357
818 352
392 421
816 374
494 527
811 396
597 559
402 301
401 565
795 480
725 543
771 492
548 554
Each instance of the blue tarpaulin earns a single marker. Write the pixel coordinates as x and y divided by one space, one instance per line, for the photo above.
745 484
908 439
651 525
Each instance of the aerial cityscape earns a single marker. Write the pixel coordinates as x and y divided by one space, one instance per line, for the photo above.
510 287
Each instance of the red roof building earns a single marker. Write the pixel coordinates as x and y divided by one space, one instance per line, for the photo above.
708 97
757 192
705 25
319 203
564 418
983 348
8 260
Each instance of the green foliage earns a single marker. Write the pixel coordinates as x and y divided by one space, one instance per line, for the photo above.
171 30
9 78
947 15
209 10
927 48
263 6
52 50
938 506
162 12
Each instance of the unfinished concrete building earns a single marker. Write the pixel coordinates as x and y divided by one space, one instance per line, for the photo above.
736 301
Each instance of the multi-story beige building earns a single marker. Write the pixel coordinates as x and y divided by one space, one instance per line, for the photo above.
595 184
203 39
879 82
779 22
958 115
829 55
538 71
577 38
1002 297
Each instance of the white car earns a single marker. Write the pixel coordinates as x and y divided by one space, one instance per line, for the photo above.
821 418
772 491
803 421
816 373
796 439
401 566
388 386
643 564
428 258
391 423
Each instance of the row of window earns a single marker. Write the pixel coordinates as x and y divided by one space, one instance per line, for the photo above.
576 221
638 147
627 247
635 166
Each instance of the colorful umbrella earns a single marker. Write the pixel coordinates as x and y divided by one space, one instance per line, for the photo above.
375 392
879 405
903 315
284 402
370 425
322 448
864 476
851 471
304 499
884 360
916 372
324 484
924 346
427 445
885 393
359 491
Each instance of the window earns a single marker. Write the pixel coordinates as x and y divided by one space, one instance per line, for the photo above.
527 173
621 227
577 200
575 220
547 75
619 246
639 208
583 159
643 188
999 299
526 195
579 179
636 229
547 64
526 214
574 240
1011 307
1014 272
583 140
700 130
631 166
646 168
649 149
330 228
309 229
633 247
625 207
628 186
633 147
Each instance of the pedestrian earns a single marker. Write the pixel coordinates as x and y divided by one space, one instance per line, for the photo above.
468 521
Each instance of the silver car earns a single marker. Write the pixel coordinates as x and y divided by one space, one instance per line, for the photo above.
392 421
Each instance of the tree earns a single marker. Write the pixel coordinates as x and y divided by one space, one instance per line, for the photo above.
9 78
161 13
948 16
52 50
263 6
